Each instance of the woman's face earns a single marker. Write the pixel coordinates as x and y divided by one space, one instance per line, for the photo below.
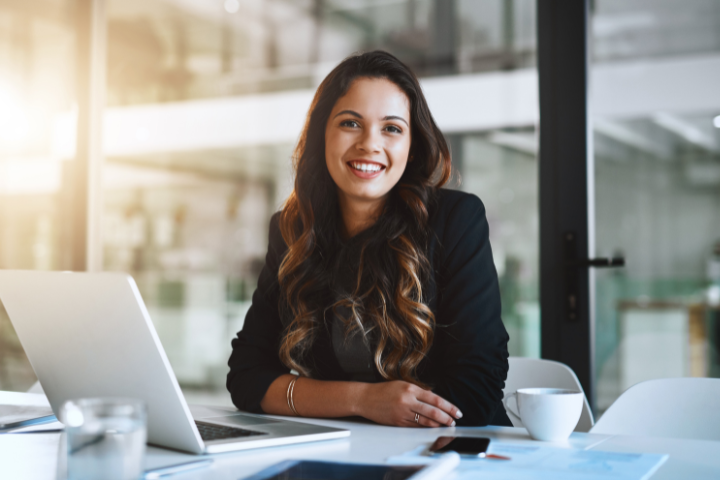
367 140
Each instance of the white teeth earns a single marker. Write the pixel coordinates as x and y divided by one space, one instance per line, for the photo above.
366 167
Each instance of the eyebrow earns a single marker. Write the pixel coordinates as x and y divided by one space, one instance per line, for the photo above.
357 115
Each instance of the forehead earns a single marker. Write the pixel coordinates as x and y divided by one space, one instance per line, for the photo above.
374 97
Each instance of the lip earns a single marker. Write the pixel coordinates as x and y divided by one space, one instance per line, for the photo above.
365 175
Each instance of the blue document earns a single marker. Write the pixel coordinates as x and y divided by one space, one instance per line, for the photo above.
538 462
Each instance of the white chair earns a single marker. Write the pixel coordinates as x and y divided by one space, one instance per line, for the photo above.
537 373
36 388
669 407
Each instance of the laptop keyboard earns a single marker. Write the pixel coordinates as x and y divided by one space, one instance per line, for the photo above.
212 431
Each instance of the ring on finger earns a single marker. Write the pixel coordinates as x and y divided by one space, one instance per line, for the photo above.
417 418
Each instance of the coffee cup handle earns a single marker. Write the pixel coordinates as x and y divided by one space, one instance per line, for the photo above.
510 410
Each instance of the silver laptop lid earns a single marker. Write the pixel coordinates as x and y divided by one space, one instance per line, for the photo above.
90 335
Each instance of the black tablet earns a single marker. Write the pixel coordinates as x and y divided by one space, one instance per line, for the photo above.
306 470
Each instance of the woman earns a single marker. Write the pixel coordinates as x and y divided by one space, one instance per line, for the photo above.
379 287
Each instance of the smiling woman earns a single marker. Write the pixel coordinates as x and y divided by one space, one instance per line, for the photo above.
367 138
379 287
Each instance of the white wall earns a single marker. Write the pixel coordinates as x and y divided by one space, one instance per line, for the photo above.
462 103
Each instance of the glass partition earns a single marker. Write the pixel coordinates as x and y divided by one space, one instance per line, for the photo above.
657 195
180 49
648 29
501 168
37 90
205 103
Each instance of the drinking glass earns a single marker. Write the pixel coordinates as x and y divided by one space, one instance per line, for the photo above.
105 438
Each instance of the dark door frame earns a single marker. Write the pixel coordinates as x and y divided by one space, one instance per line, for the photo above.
566 188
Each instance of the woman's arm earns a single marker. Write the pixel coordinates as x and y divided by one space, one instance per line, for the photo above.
254 362
469 356
387 403
258 380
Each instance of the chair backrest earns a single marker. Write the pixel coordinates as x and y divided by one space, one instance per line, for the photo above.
669 407
537 373
36 388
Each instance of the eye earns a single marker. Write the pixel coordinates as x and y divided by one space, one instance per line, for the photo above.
393 129
349 123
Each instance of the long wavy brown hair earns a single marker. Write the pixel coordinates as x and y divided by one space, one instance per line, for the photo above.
387 303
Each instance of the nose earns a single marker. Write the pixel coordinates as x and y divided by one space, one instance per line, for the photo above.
369 141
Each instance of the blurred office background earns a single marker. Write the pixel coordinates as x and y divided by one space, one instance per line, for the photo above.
205 99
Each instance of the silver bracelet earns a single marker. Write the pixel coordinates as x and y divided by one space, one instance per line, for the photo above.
290 401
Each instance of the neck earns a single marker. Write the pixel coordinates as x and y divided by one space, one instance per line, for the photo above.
359 215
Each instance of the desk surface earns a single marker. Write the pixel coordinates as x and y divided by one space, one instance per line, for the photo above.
30 457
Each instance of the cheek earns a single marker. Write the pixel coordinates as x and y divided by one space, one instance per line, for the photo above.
330 151
400 155
399 171
334 147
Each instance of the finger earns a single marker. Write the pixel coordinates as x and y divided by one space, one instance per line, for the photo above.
423 422
434 413
430 398
427 422
409 423
439 402
415 419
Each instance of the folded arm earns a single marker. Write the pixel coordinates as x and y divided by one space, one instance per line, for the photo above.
258 381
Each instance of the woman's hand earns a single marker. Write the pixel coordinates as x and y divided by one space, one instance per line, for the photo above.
397 402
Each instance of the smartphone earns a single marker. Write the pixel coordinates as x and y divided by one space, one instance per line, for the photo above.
475 446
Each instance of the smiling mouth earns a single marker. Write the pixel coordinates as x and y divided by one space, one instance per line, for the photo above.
366 167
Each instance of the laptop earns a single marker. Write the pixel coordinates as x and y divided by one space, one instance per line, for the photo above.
90 335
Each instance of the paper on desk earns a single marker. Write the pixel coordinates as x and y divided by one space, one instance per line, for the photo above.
549 462
19 408
49 427
14 415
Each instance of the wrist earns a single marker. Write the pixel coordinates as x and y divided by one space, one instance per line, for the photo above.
358 398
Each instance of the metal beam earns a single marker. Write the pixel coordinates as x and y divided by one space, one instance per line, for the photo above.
87 194
565 173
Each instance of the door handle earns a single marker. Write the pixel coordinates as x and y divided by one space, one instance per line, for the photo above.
572 264
598 262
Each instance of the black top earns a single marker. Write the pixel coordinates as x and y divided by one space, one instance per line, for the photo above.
467 362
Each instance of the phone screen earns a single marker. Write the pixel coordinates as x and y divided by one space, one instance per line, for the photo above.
461 445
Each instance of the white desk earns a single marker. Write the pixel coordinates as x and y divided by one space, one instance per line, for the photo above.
34 456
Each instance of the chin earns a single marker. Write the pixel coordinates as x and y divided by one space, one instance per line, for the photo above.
363 195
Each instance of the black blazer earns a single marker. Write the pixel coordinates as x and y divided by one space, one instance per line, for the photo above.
468 361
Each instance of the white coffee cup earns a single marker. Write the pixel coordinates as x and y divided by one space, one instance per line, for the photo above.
549 414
